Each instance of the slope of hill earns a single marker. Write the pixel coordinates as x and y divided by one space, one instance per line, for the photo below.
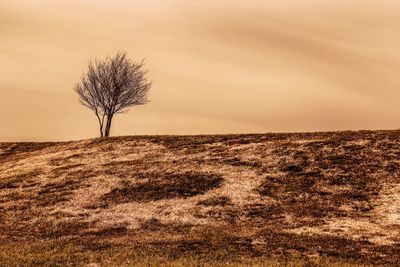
309 198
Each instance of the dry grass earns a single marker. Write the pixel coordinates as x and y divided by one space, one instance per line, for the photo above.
157 186
309 199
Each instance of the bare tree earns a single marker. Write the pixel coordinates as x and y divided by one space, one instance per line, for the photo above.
113 86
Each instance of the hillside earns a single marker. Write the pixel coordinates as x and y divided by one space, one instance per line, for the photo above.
307 198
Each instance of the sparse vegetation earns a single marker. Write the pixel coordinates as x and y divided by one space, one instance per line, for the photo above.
323 199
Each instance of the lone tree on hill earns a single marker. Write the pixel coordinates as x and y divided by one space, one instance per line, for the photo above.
113 86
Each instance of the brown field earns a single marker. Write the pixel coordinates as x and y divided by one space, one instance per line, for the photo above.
312 199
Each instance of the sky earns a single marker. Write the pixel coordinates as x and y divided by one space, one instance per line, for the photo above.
217 66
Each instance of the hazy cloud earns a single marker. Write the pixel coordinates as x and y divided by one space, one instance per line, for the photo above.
217 66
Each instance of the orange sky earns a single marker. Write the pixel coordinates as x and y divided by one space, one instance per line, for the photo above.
217 66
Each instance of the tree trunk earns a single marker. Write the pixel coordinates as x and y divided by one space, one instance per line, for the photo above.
108 126
101 123
101 131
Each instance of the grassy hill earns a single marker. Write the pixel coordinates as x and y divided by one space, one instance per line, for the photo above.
264 199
